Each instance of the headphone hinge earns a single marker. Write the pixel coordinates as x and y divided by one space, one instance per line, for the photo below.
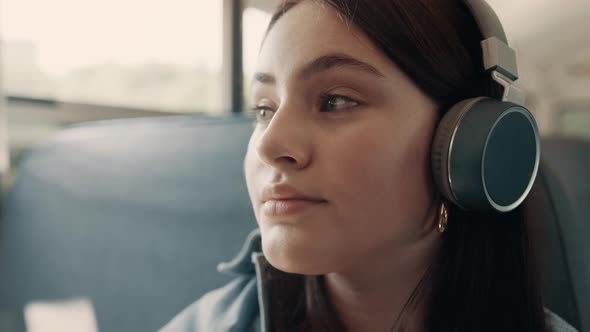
511 93
500 57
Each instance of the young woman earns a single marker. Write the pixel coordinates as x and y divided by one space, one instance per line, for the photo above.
353 233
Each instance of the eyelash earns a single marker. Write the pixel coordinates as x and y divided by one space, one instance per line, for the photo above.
256 112
323 99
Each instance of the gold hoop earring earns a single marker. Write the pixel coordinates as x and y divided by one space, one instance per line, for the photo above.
443 218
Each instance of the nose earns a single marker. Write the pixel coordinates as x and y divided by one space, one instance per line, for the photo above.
284 142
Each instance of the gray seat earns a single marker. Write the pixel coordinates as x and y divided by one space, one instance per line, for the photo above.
558 210
133 214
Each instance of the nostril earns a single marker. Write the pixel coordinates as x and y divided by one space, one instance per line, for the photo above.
289 159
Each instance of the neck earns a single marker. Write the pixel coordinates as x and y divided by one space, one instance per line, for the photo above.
370 296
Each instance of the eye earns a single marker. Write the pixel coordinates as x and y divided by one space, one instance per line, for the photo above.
262 113
333 102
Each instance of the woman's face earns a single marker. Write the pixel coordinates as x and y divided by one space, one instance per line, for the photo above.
338 167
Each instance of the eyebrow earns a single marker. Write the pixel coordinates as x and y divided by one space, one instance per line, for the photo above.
323 63
264 78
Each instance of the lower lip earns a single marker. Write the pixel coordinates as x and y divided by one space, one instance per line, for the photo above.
281 208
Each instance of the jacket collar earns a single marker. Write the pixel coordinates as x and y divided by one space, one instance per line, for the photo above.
250 262
241 264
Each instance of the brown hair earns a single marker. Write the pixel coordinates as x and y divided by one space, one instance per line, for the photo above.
483 278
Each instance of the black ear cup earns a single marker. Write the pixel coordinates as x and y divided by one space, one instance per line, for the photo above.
441 144
485 154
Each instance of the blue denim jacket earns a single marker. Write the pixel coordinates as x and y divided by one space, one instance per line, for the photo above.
239 306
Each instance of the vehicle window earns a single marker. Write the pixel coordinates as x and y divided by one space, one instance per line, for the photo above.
254 22
156 55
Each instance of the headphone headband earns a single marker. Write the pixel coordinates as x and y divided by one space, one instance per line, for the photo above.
498 57
486 18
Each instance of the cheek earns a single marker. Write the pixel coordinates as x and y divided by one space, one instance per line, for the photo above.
381 179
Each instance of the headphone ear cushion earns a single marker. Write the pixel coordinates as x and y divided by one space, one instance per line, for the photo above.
442 142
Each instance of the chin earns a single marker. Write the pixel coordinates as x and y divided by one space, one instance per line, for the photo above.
292 257
296 266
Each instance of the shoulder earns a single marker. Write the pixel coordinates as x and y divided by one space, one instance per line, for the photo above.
233 307
557 324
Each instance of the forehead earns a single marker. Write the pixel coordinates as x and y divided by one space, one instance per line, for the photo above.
312 29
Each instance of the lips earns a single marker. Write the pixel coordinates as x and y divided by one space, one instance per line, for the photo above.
286 192
285 200
287 207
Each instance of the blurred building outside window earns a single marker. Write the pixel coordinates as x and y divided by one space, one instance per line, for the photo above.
150 55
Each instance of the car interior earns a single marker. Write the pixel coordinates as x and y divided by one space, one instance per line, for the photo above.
133 214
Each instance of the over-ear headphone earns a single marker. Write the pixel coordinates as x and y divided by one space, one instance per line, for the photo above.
485 153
